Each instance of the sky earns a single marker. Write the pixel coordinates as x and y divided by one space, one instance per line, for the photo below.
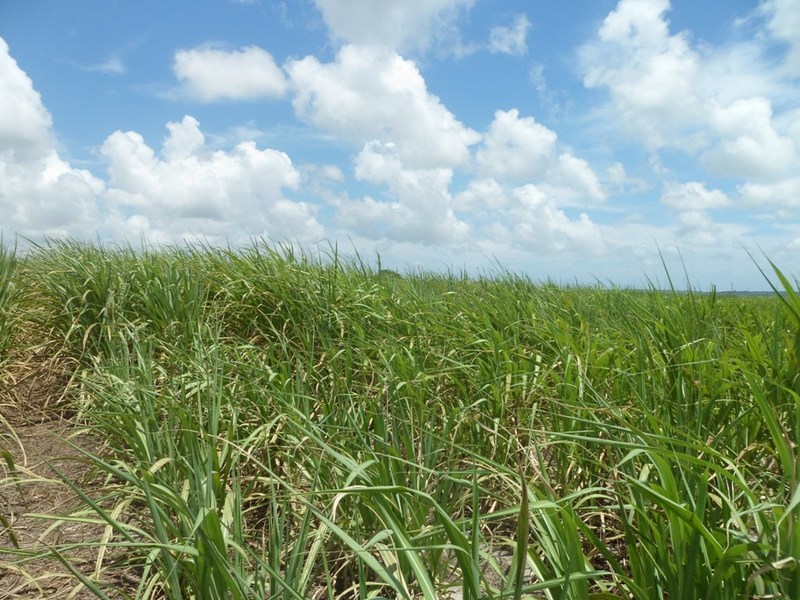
585 141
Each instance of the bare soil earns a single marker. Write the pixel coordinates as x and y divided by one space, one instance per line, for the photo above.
39 450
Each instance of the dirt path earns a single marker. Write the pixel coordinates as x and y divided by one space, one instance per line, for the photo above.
34 433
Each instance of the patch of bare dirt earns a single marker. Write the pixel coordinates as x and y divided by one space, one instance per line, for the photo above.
37 453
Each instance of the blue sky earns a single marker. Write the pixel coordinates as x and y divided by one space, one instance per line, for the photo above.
578 141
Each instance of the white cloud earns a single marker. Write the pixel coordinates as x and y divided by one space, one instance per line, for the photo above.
519 149
693 196
715 103
713 249
45 196
25 124
537 223
637 20
649 73
419 207
184 140
740 70
415 204
516 148
784 25
396 24
210 75
112 66
527 217
40 193
483 197
192 190
620 182
374 94
785 193
697 228
669 94
573 180
749 146
510 40
538 79
789 121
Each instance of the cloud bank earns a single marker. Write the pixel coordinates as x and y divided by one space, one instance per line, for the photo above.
714 131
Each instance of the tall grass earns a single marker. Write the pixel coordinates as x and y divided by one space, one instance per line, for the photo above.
286 426
8 296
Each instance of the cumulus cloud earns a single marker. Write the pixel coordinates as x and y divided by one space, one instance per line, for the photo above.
396 24
209 74
750 146
650 74
25 124
45 196
693 196
784 193
510 40
714 103
415 205
40 193
697 228
482 197
519 149
669 94
527 217
573 180
191 190
536 223
516 148
375 94
419 207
